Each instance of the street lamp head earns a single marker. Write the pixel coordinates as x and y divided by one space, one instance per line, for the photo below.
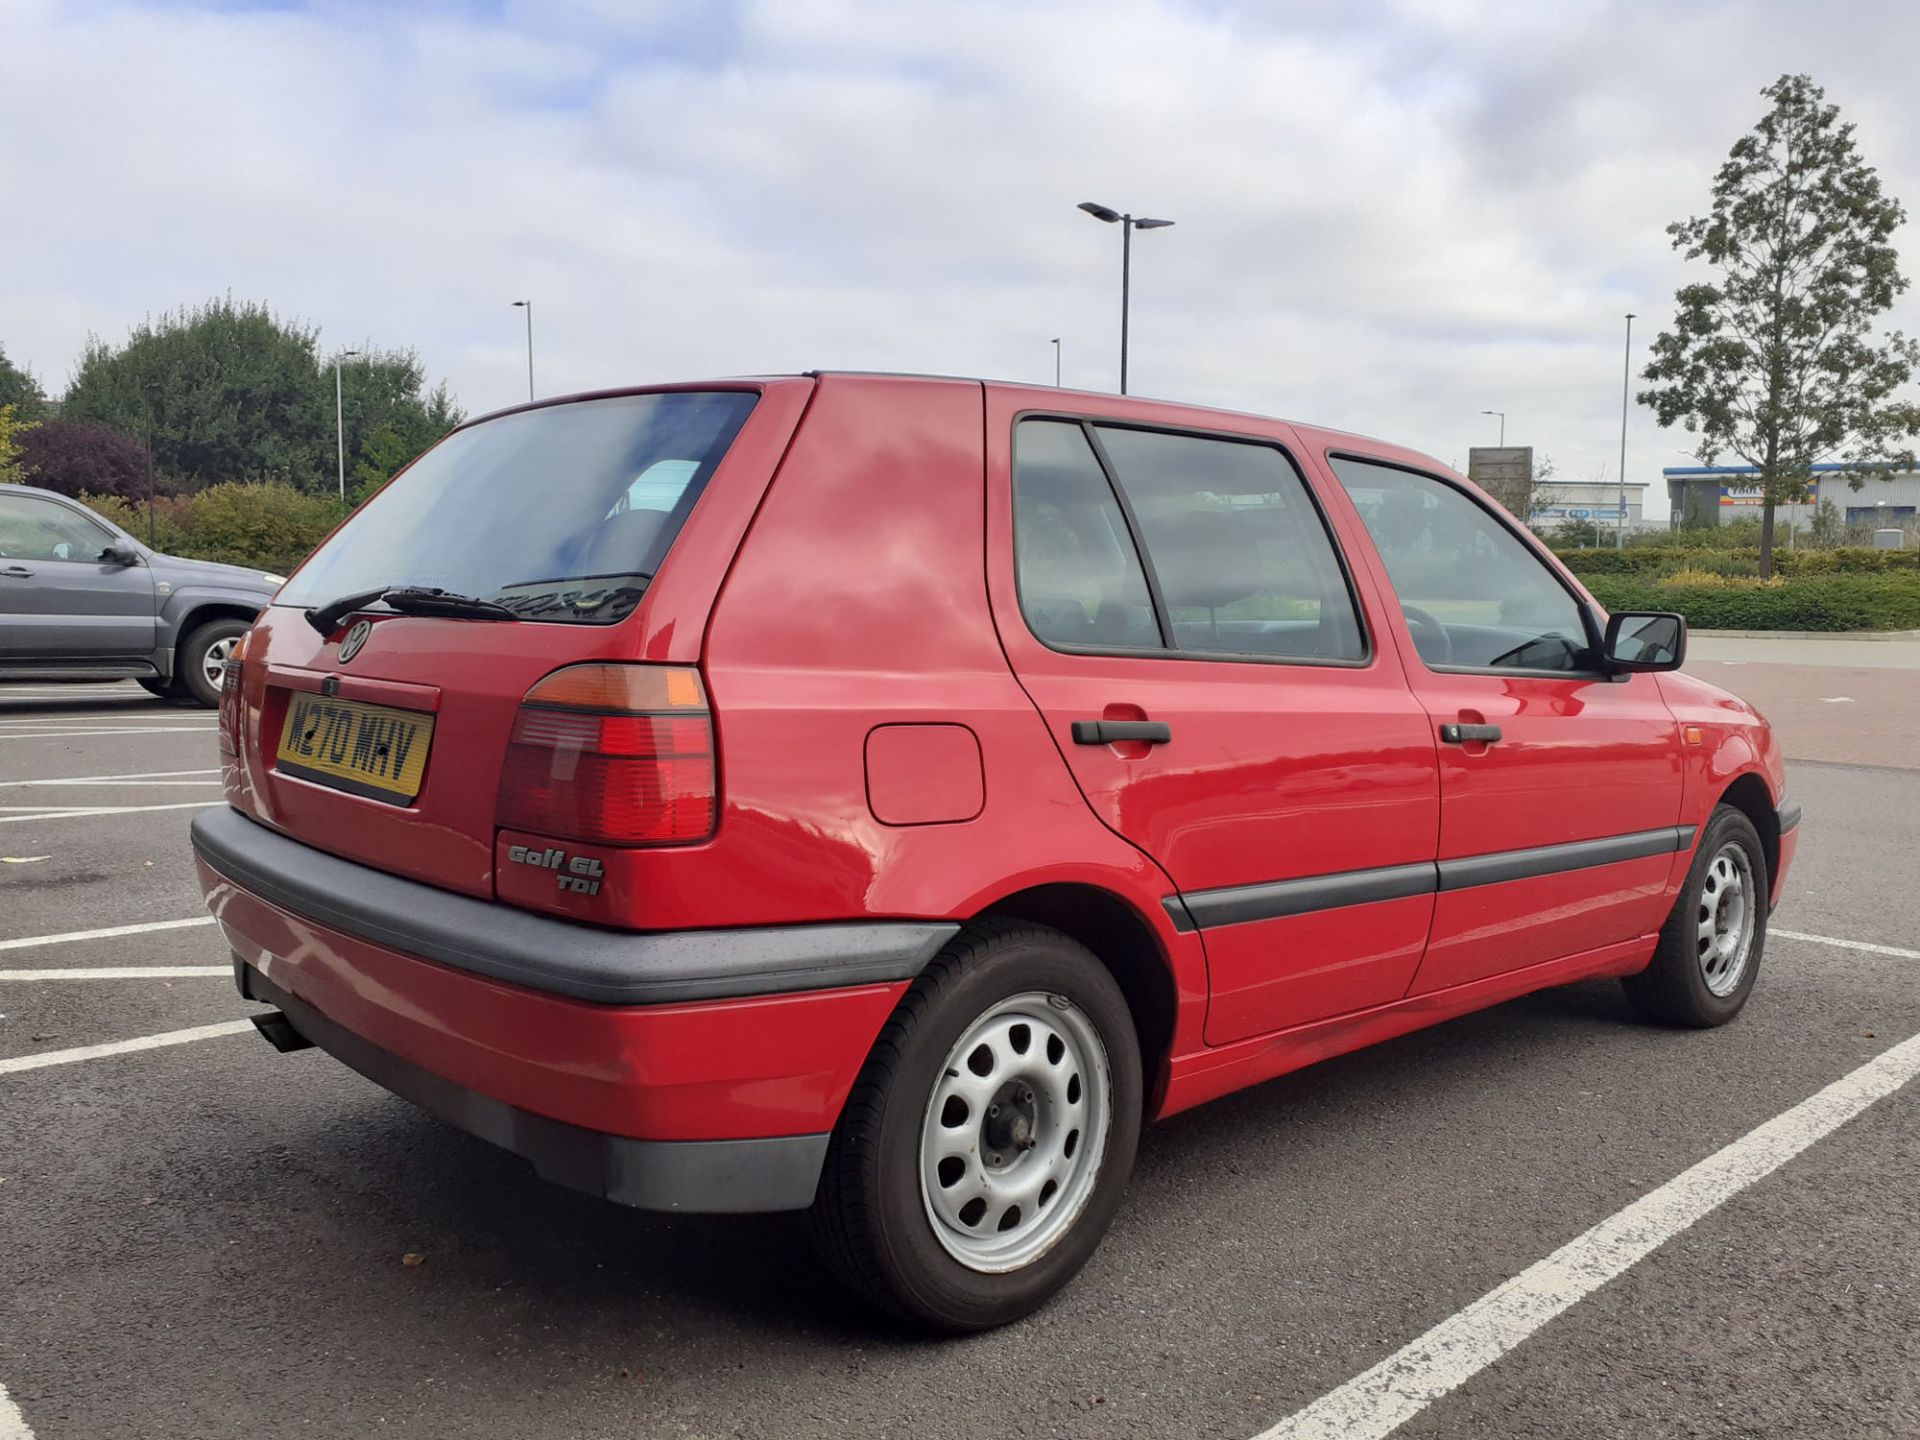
518 303
1492 412
1151 224
1100 212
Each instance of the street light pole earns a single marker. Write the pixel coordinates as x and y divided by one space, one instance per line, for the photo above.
1128 224
340 420
1056 362
1626 376
1503 425
527 305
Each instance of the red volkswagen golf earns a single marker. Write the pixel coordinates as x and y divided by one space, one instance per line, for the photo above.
880 795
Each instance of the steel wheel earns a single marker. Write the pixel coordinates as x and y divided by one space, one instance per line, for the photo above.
214 662
1015 1132
1726 918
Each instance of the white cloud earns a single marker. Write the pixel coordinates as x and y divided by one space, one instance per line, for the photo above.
1390 216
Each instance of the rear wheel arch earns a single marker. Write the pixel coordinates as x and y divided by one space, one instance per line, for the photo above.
1122 939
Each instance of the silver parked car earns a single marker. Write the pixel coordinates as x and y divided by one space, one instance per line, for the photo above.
81 599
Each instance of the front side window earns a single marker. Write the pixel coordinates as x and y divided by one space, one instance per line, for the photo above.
1243 559
1474 595
36 529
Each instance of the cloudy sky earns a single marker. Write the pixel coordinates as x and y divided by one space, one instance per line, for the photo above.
1392 214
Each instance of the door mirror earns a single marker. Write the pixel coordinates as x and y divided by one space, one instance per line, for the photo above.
1645 640
119 554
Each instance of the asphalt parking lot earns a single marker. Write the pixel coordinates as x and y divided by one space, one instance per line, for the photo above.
209 1239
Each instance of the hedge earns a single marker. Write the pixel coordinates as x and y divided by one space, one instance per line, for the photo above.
1652 560
265 527
1815 602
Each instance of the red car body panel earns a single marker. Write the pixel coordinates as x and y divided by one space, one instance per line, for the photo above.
781 1065
894 743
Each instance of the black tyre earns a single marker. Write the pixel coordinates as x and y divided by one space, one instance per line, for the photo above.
196 664
985 1146
1710 947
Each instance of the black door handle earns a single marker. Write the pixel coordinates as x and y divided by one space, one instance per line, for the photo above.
17 572
1466 734
1105 732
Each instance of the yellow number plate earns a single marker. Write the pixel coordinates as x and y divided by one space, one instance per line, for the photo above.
369 750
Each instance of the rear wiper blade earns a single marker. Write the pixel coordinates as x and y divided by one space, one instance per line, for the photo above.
408 600
432 600
326 618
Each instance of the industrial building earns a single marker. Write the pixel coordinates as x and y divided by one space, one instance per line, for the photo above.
1713 494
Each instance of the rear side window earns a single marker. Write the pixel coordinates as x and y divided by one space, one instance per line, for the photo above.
1241 555
562 513
1475 597
1238 559
1081 583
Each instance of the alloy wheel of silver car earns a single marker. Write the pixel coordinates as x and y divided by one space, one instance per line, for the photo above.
1015 1132
1727 918
214 663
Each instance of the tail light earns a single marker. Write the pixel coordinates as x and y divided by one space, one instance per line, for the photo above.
231 674
615 754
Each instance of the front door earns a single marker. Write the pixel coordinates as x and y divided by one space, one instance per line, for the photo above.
1559 785
58 599
1176 607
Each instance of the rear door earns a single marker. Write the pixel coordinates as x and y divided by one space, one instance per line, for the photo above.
58 599
1174 603
1560 786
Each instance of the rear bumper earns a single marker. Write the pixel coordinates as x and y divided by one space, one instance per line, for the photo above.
771 1173
715 1094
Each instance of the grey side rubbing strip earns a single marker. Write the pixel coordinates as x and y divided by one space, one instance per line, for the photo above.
1789 815
1474 870
543 952
1278 898
1274 900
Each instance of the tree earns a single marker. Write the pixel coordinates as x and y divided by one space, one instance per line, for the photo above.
233 393
13 430
19 389
1775 359
84 457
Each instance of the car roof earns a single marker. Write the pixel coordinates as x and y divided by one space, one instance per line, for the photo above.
1324 438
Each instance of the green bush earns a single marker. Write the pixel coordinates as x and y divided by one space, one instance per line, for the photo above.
1811 602
1743 560
171 527
270 527
264 527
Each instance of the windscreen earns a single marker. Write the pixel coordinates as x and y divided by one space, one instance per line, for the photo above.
560 514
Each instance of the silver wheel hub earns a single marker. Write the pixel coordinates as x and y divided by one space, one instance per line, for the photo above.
214 663
1727 919
1015 1132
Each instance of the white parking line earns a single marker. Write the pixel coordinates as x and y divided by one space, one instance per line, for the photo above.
1861 945
19 1063
118 972
76 813
111 932
70 734
13 1425
144 777
1376 1403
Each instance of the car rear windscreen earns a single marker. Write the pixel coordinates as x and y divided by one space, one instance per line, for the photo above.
561 513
